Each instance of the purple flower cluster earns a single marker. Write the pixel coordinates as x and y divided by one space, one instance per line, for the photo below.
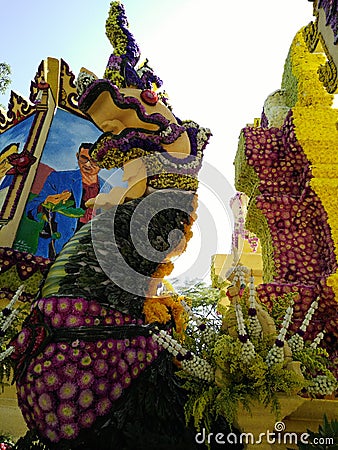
60 312
70 384
122 101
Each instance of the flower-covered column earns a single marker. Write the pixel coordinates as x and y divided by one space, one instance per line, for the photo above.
287 166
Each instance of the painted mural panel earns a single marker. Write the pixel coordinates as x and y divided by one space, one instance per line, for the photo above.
65 179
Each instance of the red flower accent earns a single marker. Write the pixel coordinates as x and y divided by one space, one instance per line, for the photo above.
20 162
43 85
149 97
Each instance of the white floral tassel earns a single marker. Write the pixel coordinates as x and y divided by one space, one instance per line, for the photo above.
248 349
255 328
208 333
276 353
7 315
322 385
239 275
296 342
7 323
190 363
317 340
6 353
16 297
199 368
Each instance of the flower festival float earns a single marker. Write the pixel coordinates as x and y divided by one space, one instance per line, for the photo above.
90 366
106 357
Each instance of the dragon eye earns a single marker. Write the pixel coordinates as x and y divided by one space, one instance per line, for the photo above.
149 97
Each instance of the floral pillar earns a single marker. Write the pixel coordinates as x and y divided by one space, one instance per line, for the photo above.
287 166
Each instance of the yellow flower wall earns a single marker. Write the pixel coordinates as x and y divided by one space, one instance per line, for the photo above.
316 130
288 169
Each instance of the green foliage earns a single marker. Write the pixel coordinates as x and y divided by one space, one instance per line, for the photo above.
203 300
7 440
257 223
313 359
315 362
279 306
200 406
217 282
246 179
239 382
289 82
31 441
201 294
66 208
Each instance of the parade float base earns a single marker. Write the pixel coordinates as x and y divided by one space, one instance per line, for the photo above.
298 414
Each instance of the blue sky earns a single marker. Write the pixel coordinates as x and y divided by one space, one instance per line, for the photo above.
218 59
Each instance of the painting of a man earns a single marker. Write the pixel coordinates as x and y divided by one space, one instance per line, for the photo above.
61 203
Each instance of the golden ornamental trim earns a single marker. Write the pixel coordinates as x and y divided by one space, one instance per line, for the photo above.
311 36
327 72
67 98
19 109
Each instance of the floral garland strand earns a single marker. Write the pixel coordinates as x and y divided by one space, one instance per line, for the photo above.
248 349
255 328
296 342
190 363
9 316
276 353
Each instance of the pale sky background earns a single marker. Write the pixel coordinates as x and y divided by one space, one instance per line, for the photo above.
219 60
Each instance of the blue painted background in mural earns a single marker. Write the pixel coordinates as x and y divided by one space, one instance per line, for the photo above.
18 133
65 135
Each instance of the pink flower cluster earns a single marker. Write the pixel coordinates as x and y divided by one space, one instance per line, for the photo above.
302 247
300 235
277 158
70 384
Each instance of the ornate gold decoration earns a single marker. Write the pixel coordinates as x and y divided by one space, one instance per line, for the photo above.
17 196
67 98
327 73
311 36
328 76
314 38
62 83
18 109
